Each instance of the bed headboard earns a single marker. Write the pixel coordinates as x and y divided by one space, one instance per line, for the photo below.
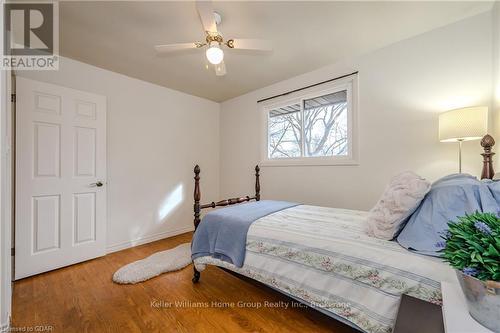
487 143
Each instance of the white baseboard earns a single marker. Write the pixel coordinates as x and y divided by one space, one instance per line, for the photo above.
146 239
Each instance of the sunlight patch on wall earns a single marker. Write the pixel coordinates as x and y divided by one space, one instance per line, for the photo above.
458 102
170 203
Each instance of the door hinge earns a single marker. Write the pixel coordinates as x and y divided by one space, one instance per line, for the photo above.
13 98
13 252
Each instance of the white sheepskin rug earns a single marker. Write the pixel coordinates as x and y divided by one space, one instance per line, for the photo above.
154 265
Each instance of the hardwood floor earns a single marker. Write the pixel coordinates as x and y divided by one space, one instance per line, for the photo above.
83 298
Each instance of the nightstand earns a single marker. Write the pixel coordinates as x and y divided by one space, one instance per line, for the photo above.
456 315
417 316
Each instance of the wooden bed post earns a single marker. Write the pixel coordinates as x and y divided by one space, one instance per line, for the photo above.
197 197
257 183
487 143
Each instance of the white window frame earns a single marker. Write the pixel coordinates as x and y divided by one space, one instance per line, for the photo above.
350 85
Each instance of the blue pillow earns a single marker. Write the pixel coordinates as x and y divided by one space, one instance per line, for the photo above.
449 198
494 186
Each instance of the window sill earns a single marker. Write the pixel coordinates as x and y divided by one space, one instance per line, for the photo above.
318 161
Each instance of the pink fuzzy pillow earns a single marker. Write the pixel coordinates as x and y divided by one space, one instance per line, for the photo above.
400 199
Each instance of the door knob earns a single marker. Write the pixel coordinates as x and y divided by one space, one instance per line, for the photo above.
98 184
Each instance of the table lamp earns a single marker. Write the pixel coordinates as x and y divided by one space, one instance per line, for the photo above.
463 125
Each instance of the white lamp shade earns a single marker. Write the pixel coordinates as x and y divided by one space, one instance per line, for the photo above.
463 124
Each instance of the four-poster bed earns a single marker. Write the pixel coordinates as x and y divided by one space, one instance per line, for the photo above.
322 257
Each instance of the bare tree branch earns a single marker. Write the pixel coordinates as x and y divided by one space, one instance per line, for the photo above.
324 132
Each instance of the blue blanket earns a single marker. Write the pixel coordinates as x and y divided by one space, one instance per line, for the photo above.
450 197
222 233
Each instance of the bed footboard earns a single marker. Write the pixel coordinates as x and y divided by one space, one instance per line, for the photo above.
226 202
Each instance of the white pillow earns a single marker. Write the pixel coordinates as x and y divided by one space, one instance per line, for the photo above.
400 199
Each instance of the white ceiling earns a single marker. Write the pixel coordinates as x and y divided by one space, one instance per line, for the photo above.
119 36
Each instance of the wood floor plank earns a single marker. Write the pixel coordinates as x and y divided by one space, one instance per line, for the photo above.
83 298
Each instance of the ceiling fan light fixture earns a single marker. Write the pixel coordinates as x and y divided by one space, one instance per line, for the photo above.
215 55
214 42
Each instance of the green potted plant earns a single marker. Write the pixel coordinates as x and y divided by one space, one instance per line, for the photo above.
473 249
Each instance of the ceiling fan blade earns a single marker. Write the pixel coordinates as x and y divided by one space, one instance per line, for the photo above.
175 47
251 44
220 69
206 12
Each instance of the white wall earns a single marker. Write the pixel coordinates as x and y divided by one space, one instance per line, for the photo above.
5 289
5 202
6 217
402 89
496 79
155 136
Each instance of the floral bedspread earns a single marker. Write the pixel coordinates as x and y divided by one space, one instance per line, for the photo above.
324 257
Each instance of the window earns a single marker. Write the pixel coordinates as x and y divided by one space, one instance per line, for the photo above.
315 127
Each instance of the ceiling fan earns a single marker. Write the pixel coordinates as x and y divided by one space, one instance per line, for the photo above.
214 40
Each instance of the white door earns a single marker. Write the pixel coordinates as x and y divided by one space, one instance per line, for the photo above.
60 177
